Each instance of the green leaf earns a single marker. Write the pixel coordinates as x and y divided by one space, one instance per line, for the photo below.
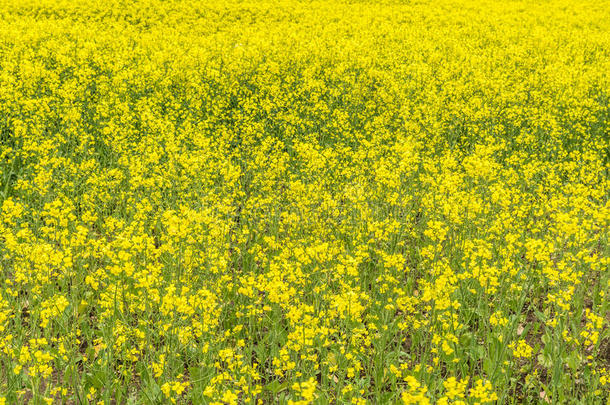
488 366
466 339
545 360
573 361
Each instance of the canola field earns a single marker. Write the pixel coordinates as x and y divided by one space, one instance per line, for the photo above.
304 202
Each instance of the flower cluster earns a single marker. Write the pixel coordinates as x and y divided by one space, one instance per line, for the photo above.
243 202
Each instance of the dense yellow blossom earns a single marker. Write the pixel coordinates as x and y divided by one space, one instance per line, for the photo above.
306 202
